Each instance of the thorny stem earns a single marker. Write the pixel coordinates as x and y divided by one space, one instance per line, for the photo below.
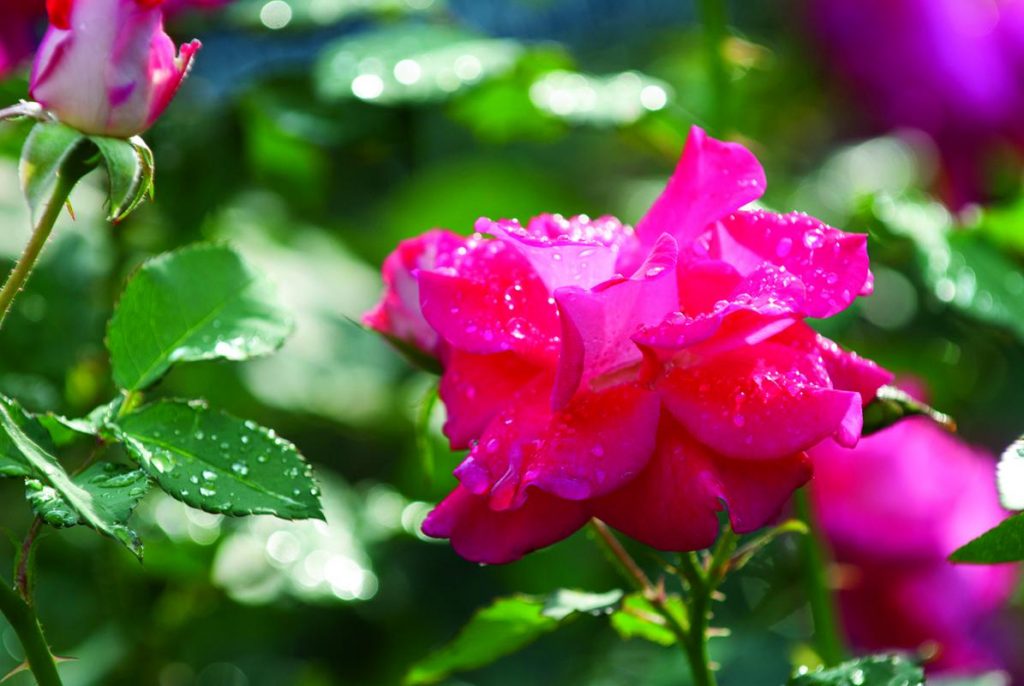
23 620
828 638
22 577
68 176
691 632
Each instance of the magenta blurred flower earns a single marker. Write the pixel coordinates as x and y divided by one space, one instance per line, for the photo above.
642 377
894 508
17 32
106 67
952 68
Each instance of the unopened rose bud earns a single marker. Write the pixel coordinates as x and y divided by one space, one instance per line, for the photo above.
106 67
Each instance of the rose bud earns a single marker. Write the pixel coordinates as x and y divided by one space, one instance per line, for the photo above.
106 67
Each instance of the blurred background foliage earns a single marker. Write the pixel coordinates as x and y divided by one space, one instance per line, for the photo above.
314 135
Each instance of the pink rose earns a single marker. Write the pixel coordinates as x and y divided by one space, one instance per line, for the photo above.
18 37
894 508
106 67
644 377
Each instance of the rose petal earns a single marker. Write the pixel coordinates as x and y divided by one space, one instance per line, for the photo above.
595 444
475 388
712 179
568 252
489 301
847 370
671 505
761 402
483 535
398 313
832 264
597 324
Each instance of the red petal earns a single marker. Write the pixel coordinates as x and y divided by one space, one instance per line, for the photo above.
480 534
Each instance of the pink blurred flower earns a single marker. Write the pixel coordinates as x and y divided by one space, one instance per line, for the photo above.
106 67
951 68
894 508
643 377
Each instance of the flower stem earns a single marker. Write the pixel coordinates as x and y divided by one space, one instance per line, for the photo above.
703 582
655 594
691 631
23 620
828 637
69 175
22 577
714 18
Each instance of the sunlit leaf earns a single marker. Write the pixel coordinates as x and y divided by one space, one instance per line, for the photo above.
637 618
198 303
219 463
891 404
117 487
876 670
34 445
411 63
1004 543
505 626
958 265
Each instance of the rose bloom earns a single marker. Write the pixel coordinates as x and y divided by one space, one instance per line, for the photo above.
24 21
951 68
643 377
106 67
894 508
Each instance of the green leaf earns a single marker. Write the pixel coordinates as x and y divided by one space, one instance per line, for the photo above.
129 165
436 61
12 462
64 430
47 149
505 626
199 303
32 441
565 601
891 405
958 265
1010 476
1004 543
219 463
637 618
875 670
118 487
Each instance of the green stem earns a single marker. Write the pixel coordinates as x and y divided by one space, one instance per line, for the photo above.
714 18
636 576
23 620
828 637
703 583
69 175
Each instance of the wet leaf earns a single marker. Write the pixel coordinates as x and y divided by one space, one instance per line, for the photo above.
219 463
117 487
875 670
33 442
892 404
505 626
199 303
